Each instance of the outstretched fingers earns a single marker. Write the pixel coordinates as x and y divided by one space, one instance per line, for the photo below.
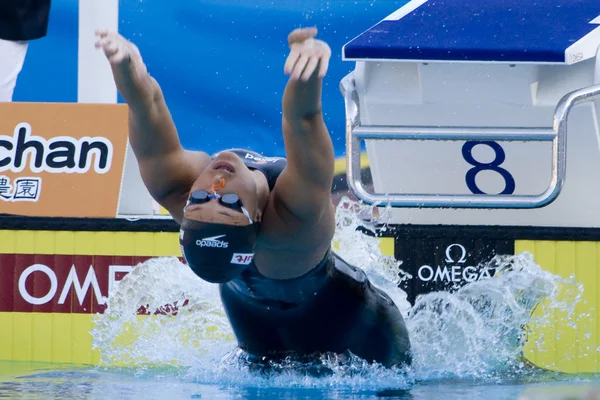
310 67
300 66
308 56
115 47
291 61
324 66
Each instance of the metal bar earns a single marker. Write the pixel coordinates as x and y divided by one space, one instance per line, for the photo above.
355 133
452 133
560 123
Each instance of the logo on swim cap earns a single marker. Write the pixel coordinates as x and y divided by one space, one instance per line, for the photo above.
218 253
260 160
242 258
212 242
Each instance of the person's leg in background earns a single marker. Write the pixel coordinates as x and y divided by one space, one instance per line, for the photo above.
12 56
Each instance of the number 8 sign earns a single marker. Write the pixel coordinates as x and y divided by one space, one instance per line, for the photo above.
494 165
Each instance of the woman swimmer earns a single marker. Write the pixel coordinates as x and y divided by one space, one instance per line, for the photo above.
261 227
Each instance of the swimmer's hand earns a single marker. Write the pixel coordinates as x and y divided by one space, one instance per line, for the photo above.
129 70
306 55
117 49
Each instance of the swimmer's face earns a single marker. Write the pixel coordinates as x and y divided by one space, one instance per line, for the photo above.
250 186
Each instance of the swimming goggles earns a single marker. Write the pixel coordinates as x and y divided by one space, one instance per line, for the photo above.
229 200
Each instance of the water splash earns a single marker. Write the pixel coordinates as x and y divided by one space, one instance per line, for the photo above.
160 313
478 332
363 250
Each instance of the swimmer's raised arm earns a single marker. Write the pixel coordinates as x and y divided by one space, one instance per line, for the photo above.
167 169
305 184
300 213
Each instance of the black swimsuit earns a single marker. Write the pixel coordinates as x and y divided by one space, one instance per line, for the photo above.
332 308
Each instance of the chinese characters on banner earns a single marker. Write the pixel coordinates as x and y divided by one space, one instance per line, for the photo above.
23 189
62 159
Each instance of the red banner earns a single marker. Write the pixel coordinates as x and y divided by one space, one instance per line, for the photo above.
61 283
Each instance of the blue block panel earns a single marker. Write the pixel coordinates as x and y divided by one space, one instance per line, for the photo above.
538 31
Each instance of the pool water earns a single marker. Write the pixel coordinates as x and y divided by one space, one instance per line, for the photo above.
19 380
466 345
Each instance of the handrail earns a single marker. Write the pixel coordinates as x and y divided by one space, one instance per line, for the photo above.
557 134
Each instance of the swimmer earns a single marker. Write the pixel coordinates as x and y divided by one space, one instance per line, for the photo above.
261 227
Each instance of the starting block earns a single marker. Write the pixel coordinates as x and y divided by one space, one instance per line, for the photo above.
473 104
481 125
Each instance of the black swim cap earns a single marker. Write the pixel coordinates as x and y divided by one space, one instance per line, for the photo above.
217 253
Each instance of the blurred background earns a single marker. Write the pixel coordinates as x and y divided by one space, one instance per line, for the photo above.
219 62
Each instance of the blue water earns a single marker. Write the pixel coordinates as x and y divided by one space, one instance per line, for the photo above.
20 380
